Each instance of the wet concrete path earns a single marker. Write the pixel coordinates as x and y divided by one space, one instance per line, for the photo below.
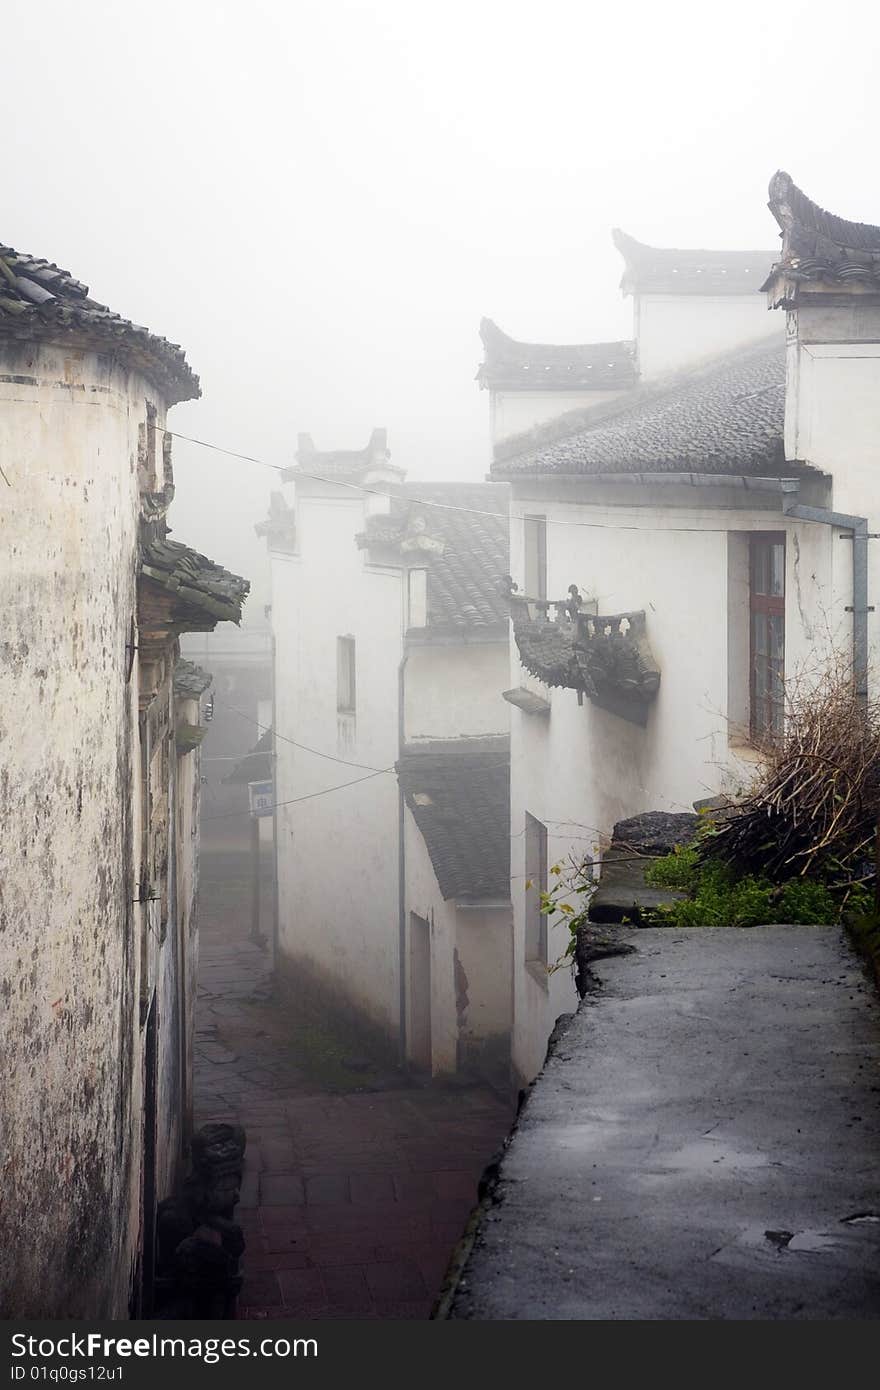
353 1198
703 1144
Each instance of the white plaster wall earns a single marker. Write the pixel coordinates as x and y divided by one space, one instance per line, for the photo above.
455 691
833 422
338 853
485 948
583 768
70 1088
482 939
188 799
512 412
674 331
423 897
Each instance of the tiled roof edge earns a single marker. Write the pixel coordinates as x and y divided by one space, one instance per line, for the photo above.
39 300
514 365
792 208
574 422
686 270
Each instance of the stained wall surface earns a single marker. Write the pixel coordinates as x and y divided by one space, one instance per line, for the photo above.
76 952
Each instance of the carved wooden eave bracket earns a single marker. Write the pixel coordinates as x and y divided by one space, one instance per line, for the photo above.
607 658
616 664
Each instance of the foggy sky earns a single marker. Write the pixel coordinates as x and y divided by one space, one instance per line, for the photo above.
319 199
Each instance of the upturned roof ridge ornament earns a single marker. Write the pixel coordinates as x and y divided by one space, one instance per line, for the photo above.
606 657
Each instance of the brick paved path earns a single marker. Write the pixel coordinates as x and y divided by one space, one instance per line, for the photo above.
351 1202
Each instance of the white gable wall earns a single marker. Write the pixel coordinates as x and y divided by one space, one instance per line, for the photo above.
677 330
454 691
338 853
513 412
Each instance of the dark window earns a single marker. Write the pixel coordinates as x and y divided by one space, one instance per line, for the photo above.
345 676
767 635
535 561
536 878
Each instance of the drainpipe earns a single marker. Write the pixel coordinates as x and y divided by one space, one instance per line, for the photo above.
401 862
858 526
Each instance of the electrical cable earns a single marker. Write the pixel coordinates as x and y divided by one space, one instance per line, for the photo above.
310 796
449 506
267 728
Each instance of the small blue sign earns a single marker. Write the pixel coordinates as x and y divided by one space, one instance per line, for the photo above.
262 798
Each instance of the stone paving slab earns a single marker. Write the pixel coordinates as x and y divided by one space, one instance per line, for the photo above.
704 1142
351 1202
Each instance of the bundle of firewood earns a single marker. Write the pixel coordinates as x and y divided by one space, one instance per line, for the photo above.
814 807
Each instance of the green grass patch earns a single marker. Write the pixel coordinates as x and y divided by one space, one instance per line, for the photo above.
717 896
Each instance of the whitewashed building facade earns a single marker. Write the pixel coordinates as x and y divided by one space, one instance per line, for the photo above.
699 515
391 649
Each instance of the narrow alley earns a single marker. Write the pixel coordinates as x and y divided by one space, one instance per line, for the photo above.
358 1182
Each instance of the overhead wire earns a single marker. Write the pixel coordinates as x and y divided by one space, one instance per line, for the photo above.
418 501
446 506
309 796
268 728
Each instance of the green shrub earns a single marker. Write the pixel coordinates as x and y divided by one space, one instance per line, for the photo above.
718 897
676 870
806 900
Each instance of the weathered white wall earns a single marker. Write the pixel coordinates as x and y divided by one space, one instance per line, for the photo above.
484 940
833 422
424 898
338 853
71 1075
73 968
187 804
455 691
584 768
675 330
471 1000
512 412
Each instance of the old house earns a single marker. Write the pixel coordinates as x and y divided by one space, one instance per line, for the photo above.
390 631
101 726
683 548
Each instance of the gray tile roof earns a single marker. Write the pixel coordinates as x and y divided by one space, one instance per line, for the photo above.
466 572
204 592
725 418
514 366
817 245
39 300
458 791
255 766
666 270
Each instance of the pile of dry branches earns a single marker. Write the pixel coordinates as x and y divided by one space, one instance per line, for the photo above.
814 807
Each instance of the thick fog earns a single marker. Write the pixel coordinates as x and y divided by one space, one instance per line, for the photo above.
319 199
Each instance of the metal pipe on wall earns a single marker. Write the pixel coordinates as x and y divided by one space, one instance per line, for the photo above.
858 525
